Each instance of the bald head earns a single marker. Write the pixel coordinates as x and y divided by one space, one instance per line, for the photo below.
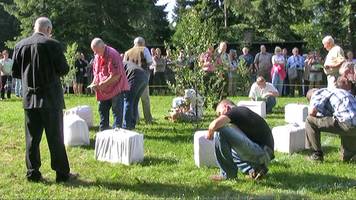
224 106
98 46
139 42
43 25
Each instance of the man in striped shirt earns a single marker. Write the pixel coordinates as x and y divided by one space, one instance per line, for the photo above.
334 111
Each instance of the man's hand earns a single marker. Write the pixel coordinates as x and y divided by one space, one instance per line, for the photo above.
219 122
313 111
210 135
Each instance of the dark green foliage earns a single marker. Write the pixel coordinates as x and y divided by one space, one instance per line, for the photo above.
243 80
118 22
279 20
9 25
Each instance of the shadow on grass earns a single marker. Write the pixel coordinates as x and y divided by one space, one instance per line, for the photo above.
326 150
316 182
169 190
172 138
90 146
150 160
172 129
94 128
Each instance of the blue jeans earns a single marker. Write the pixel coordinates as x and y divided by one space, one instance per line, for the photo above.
117 104
18 87
233 147
277 82
270 103
131 100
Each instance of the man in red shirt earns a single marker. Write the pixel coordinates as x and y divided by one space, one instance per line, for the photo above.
110 83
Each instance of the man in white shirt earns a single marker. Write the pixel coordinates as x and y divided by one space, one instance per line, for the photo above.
140 55
333 60
264 91
6 78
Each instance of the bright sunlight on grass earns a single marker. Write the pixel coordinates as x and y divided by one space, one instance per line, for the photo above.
168 170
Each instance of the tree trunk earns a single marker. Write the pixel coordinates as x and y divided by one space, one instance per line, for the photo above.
352 26
225 15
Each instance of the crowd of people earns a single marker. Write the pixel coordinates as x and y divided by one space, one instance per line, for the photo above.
121 80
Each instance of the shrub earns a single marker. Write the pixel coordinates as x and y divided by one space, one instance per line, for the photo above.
70 55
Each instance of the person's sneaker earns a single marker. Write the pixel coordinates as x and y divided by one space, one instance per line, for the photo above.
317 156
259 173
217 178
67 178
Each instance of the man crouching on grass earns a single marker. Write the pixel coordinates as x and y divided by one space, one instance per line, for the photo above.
250 152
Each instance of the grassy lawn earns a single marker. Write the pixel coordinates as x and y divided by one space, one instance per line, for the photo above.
168 170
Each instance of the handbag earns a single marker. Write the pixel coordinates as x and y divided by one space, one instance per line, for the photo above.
292 73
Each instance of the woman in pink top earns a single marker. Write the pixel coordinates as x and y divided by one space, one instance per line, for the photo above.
207 60
277 72
110 83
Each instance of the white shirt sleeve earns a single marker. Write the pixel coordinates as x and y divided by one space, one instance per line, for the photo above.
270 88
252 93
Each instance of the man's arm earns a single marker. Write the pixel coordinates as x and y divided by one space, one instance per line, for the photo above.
16 68
59 60
109 81
256 61
219 122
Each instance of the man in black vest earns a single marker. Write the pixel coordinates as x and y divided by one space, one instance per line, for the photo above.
39 61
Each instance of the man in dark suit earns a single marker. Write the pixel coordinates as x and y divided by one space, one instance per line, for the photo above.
39 61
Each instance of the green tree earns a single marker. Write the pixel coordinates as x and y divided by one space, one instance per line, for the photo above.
9 25
118 22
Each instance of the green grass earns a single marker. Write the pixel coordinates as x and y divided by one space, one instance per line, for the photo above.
168 170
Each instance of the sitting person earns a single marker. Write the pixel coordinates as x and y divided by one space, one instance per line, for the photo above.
187 108
254 147
334 111
264 91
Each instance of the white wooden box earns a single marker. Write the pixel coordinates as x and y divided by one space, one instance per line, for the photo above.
119 146
289 138
258 107
84 112
295 113
75 131
204 150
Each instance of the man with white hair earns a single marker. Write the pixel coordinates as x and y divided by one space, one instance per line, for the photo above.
39 61
333 60
109 83
140 55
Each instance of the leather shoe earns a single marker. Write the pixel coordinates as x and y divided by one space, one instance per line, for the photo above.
258 174
67 178
317 156
36 179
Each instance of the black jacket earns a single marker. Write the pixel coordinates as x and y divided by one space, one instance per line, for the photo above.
39 61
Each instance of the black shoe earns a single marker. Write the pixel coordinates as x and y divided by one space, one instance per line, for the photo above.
349 158
66 178
317 156
258 174
34 176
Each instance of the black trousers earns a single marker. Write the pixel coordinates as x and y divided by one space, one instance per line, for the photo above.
6 79
51 120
